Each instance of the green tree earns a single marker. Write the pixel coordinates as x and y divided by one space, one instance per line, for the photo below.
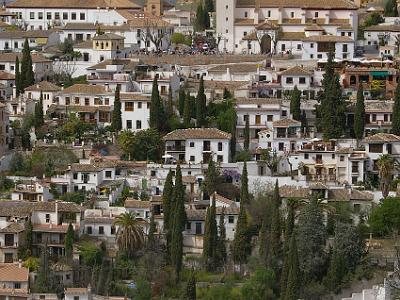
275 231
116 119
69 241
181 101
241 246
247 134
199 22
211 179
44 281
227 94
191 287
386 165
151 238
311 241
209 6
260 285
336 272
293 280
17 76
201 108
141 145
27 76
39 115
210 240
332 107
244 188
396 112
178 225
304 122
167 196
187 115
221 247
295 101
29 236
288 235
383 219
391 9
359 116
170 104
130 236
155 107
263 249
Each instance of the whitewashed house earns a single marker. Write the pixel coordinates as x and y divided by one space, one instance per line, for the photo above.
135 111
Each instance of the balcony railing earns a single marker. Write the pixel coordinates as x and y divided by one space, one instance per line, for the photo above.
176 148
314 177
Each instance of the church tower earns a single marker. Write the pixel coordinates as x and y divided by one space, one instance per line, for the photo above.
155 7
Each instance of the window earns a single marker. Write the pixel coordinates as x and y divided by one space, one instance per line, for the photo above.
128 106
191 144
289 80
77 100
73 16
306 156
345 48
57 16
32 15
17 285
376 148
67 100
298 46
284 113
231 219
129 124
219 146
316 14
312 45
343 33
8 257
40 15
311 56
65 16
75 175
101 230
89 230
198 228
87 101
139 105
292 14
270 118
220 158
245 14
112 229
302 80
333 156
148 105
47 218
82 16
138 124
269 14
283 47
108 174
281 146
226 6
188 226
192 158
106 101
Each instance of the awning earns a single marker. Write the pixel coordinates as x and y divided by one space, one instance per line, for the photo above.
380 73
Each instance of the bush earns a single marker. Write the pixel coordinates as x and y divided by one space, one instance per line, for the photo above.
243 156
384 219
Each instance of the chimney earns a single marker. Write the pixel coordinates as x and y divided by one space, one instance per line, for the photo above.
14 91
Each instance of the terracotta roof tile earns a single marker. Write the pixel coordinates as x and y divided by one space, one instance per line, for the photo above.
382 138
390 28
197 133
196 214
310 4
10 57
89 4
314 27
288 191
292 36
44 86
20 34
132 203
85 89
13 273
328 38
6 76
286 123
13 228
108 36
296 70
347 195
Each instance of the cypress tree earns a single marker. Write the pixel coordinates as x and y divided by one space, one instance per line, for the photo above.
396 112
69 241
359 116
39 118
191 287
227 94
210 239
155 106
211 178
201 105
199 23
264 242
295 101
275 233
17 76
181 101
304 123
233 139
244 188
168 204
29 236
336 272
332 108
178 225
241 246
293 282
247 134
26 76
186 112
192 101
170 104
116 119
151 239
208 6
288 233
221 247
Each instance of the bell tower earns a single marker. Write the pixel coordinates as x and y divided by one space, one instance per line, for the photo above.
155 7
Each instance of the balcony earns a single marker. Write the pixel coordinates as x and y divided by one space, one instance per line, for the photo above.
324 178
176 148
9 244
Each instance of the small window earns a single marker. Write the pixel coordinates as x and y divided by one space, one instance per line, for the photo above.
101 230
128 106
302 80
32 15
112 229
75 175
57 16
76 297
191 145
306 155
269 14
82 16
220 158
333 156
129 124
40 15
139 105
73 16
312 45
89 230
245 14
47 218
270 118
192 158
231 219
17 285
341 157
188 226
138 124
289 80
219 146
292 14
316 14
108 174
65 16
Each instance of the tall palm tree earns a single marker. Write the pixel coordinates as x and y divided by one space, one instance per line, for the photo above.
130 235
386 165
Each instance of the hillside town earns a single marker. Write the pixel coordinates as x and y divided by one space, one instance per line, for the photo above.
227 149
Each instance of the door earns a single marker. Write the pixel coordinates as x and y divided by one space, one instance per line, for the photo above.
198 228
